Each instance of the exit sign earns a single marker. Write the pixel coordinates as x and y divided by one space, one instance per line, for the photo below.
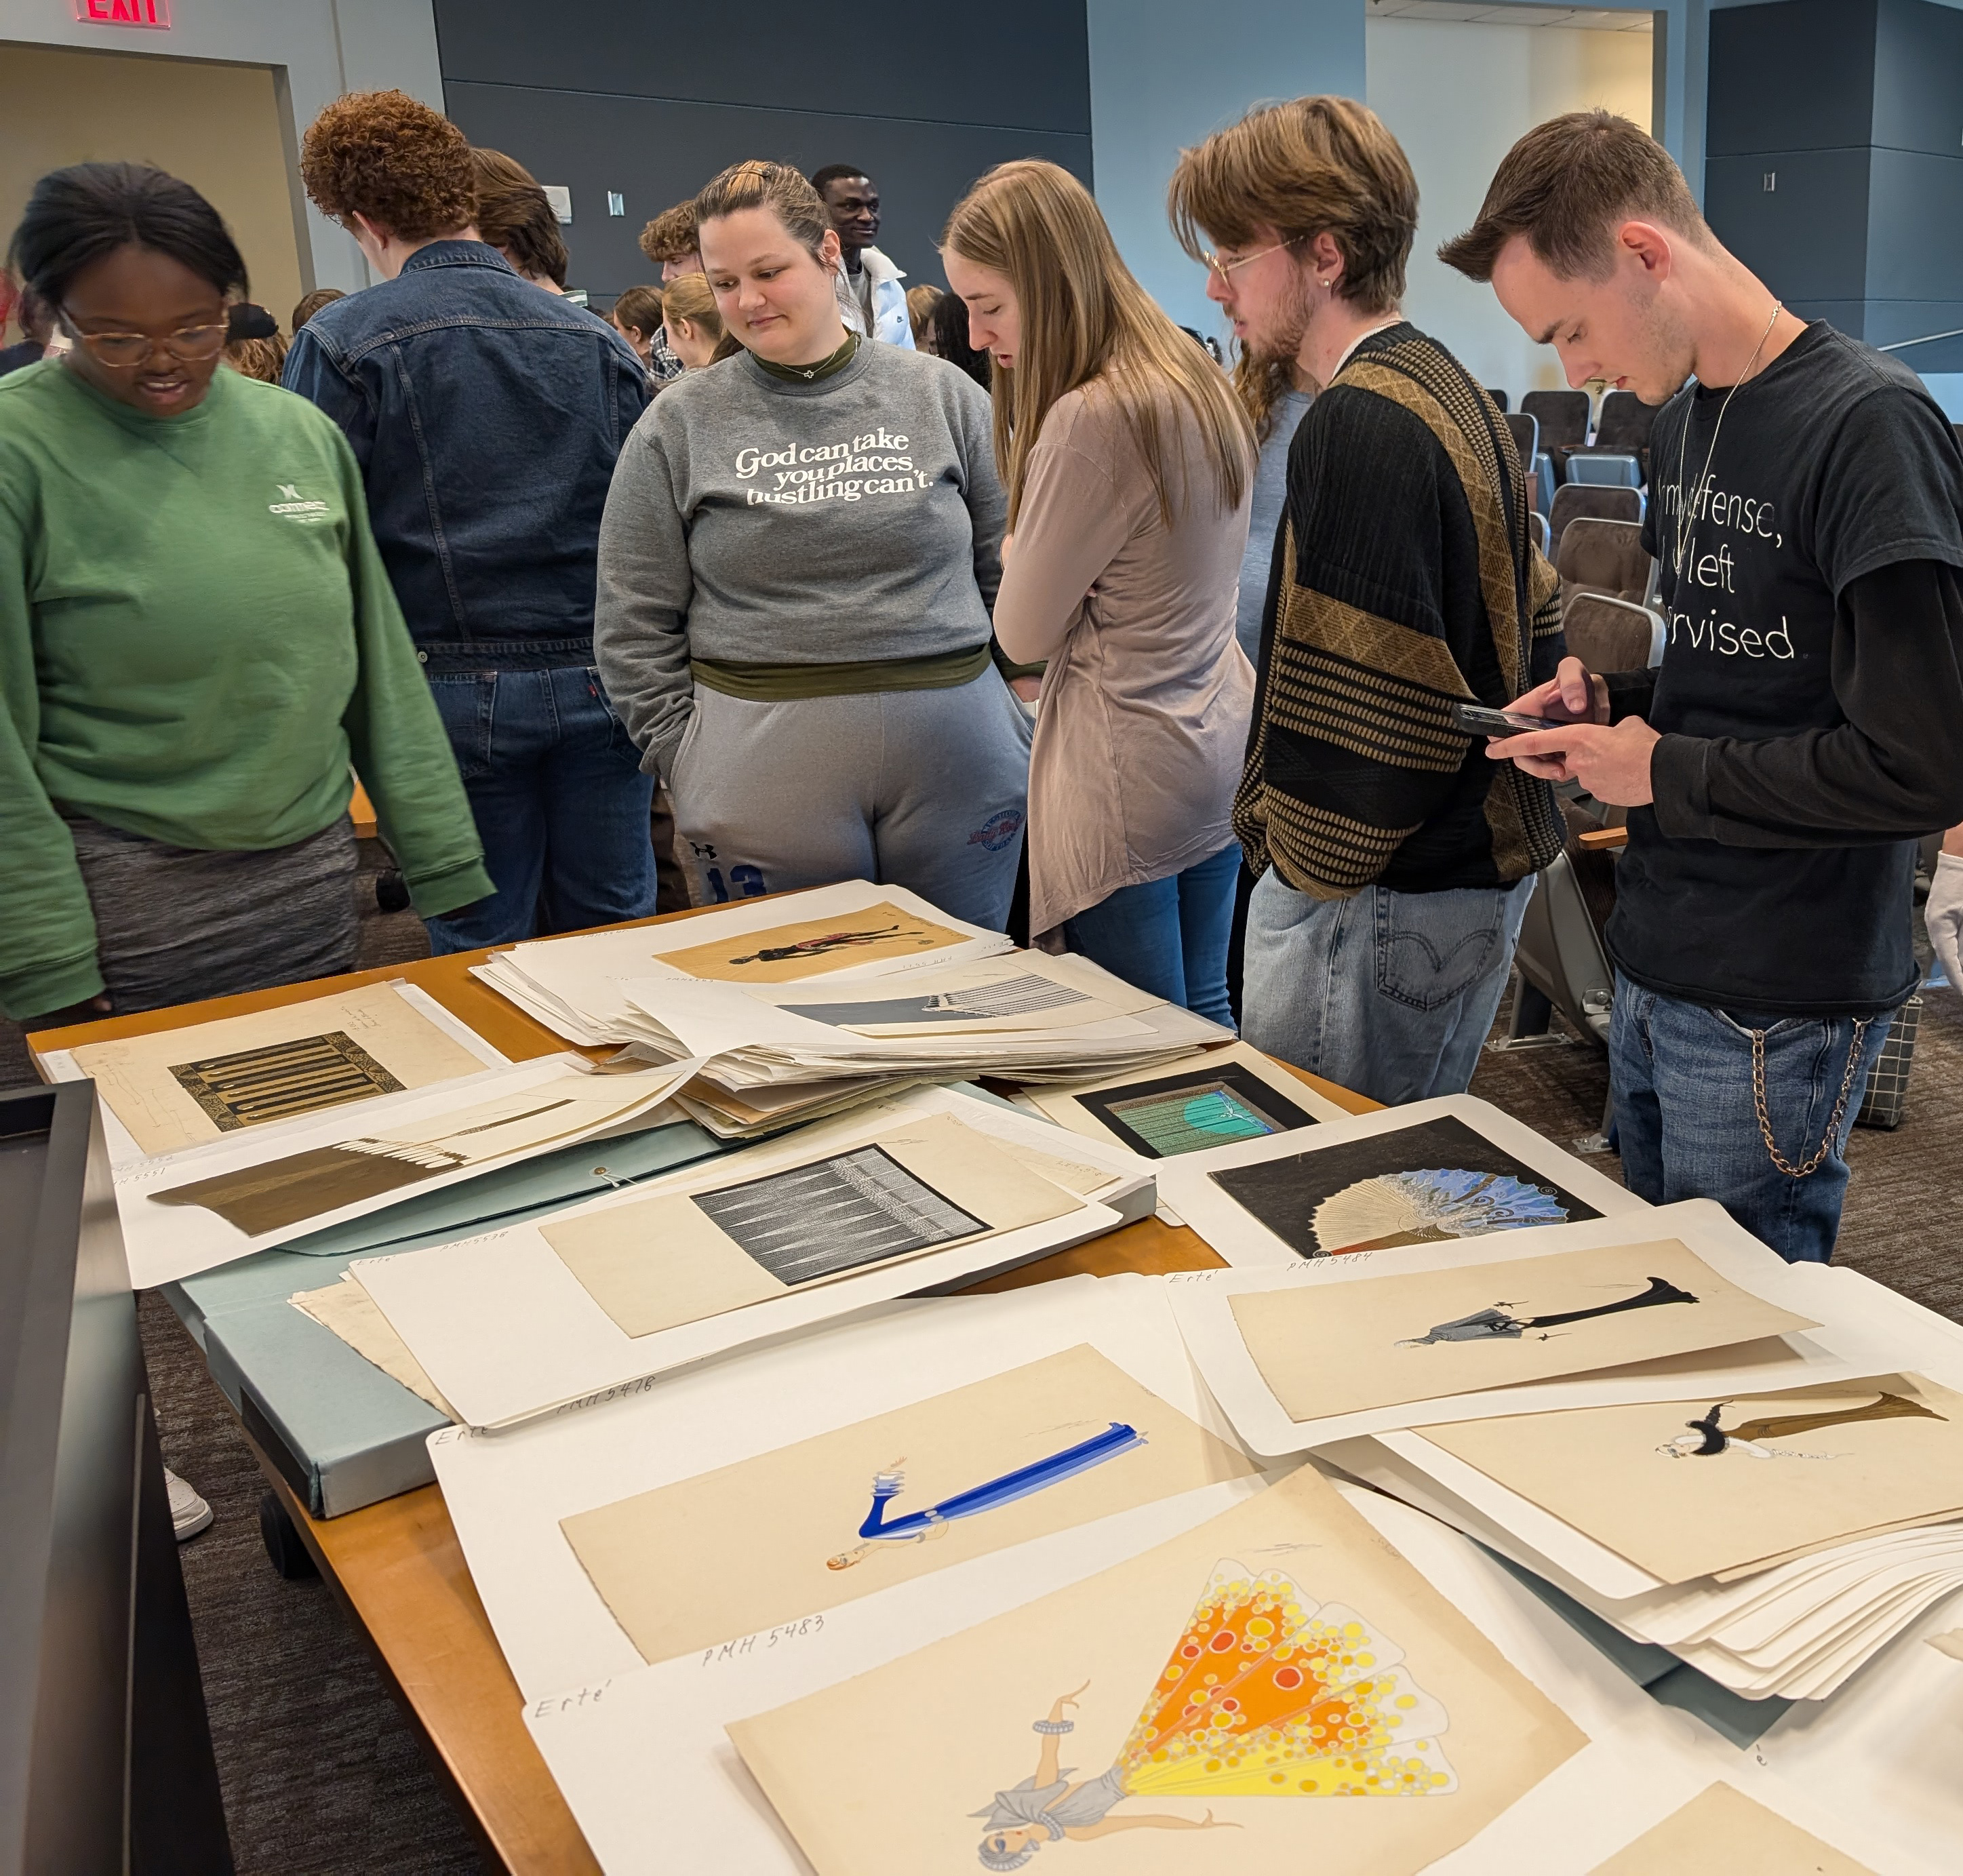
124 13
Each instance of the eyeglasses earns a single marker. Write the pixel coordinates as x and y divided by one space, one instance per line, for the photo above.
1225 268
190 345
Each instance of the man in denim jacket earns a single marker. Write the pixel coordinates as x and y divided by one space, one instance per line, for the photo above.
486 415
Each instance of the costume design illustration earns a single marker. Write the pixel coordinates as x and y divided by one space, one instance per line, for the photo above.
915 1527
1266 1694
1707 1438
1499 1324
1415 1185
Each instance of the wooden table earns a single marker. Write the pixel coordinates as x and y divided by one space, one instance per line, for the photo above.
397 1566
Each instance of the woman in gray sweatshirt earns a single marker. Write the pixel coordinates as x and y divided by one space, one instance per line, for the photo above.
799 559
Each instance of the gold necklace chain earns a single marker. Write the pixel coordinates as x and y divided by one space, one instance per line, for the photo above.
1688 504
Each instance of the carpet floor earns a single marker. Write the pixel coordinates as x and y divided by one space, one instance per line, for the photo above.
322 1776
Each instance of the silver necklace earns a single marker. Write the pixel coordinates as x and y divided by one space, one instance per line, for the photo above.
1688 502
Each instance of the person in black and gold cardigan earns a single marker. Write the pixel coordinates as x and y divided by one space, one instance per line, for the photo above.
1392 866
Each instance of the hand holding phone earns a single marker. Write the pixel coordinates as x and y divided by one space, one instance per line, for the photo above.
1480 719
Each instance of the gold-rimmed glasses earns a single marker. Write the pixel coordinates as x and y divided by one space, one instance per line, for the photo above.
1225 268
189 345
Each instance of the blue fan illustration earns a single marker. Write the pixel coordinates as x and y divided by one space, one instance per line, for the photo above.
1436 1202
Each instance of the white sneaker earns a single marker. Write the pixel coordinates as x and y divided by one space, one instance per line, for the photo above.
189 1514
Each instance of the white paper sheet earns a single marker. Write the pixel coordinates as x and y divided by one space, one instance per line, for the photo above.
1201 1300
580 977
506 1330
644 1764
1240 1237
507 1491
1800 1629
60 1065
1887 1748
165 1243
753 1035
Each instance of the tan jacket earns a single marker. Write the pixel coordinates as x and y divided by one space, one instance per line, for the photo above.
1143 716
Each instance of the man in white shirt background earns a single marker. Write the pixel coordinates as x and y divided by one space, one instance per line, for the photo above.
871 300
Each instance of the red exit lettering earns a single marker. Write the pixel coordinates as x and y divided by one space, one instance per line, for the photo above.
155 13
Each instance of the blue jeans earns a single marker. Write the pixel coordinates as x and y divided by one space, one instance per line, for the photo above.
1687 1124
1388 994
1168 935
555 781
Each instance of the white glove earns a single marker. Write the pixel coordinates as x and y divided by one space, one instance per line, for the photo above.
1944 915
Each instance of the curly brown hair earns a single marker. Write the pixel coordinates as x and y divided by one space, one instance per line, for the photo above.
383 155
263 359
672 236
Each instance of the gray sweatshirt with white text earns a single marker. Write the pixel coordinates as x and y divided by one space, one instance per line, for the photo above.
762 522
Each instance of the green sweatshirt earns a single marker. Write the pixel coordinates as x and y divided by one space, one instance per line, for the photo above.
197 638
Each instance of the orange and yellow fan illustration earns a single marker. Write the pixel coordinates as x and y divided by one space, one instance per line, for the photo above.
1268 1694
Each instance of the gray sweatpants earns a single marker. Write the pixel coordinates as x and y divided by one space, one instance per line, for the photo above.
922 788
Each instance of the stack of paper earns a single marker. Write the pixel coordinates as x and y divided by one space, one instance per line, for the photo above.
1719 1453
850 931
1027 1016
1798 1624
1777 1539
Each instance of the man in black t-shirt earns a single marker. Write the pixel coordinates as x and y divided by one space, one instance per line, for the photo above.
1806 723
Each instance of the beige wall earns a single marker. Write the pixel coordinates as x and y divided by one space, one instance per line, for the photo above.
216 125
1456 96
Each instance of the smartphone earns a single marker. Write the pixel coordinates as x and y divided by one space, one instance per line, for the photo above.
1478 719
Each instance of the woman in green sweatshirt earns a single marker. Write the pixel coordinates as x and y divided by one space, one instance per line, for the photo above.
197 638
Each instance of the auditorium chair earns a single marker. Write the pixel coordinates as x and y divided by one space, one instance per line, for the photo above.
1603 468
1573 500
1623 425
1604 557
1563 418
1526 445
1608 634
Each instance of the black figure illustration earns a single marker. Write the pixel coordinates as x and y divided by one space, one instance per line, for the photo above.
817 947
1749 1435
1499 1324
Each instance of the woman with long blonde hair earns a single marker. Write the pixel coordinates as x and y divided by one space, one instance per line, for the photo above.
1129 462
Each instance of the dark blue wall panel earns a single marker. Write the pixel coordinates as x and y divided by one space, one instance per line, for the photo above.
1919 78
1023 63
1806 238
1857 106
1799 75
651 103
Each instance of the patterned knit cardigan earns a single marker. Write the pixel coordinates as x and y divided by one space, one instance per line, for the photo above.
1404 580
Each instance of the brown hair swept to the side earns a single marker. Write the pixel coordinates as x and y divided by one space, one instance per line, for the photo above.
1566 186
320 297
643 308
671 235
777 187
382 154
515 216
1086 322
1311 166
